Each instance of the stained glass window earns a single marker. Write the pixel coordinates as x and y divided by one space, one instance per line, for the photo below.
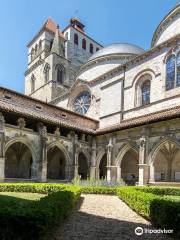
178 70
145 91
82 103
170 72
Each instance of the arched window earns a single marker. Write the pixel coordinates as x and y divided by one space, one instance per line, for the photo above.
60 74
32 83
170 72
97 49
91 48
84 44
145 93
46 73
76 39
178 70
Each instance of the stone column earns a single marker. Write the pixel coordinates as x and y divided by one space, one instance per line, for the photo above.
93 160
118 173
109 159
143 168
2 148
151 177
42 168
76 155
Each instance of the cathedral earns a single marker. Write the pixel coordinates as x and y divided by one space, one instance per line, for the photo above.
100 112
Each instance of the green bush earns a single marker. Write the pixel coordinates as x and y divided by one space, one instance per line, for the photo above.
162 211
98 190
160 190
33 219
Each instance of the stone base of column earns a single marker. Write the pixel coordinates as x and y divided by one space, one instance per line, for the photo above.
75 171
92 172
143 174
2 161
111 173
43 175
108 173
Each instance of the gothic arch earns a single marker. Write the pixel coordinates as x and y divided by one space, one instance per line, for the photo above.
162 159
158 146
19 158
61 147
25 141
58 161
99 157
123 151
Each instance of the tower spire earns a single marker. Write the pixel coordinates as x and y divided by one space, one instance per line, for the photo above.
58 43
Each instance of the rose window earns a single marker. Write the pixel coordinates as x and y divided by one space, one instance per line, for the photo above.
82 103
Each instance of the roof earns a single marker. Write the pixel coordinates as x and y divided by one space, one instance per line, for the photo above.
21 104
49 25
118 48
158 116
160 28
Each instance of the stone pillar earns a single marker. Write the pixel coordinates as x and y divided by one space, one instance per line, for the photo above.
76 155
109 159
2 148
93 160
42 168
118 173
143 168
151 177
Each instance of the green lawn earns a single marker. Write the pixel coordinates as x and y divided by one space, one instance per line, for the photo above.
23 195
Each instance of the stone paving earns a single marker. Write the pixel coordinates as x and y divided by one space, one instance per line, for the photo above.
103 217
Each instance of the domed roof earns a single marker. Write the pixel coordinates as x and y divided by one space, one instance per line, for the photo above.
117 48
168 27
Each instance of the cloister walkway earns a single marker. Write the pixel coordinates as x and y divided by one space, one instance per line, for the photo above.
104 217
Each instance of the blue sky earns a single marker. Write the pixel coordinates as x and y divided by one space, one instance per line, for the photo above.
107 21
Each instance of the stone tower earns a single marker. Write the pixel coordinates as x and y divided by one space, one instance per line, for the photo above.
54 58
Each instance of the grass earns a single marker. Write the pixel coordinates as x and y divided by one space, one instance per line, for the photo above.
23 195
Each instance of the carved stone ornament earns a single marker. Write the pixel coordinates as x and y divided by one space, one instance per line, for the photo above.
21 123
57 132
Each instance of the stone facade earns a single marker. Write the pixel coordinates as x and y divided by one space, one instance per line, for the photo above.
130 130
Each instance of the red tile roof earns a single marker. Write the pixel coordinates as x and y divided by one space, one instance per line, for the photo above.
153 117
52 26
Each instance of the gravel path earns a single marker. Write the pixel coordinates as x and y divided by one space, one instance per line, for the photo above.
103 217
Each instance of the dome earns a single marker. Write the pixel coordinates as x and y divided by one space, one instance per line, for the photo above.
168 27
118 48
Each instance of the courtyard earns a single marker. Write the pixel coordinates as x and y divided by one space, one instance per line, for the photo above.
80 212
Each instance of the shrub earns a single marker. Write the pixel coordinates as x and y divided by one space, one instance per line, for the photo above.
163 211
98 190
31 221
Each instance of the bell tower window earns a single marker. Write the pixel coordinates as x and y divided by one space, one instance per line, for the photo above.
60 74
76 39
32 83
46 73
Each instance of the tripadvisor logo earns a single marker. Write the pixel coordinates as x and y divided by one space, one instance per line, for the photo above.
139 231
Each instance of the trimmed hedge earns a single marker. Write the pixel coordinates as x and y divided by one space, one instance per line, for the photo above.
163 212
160 190
99 190
34 219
